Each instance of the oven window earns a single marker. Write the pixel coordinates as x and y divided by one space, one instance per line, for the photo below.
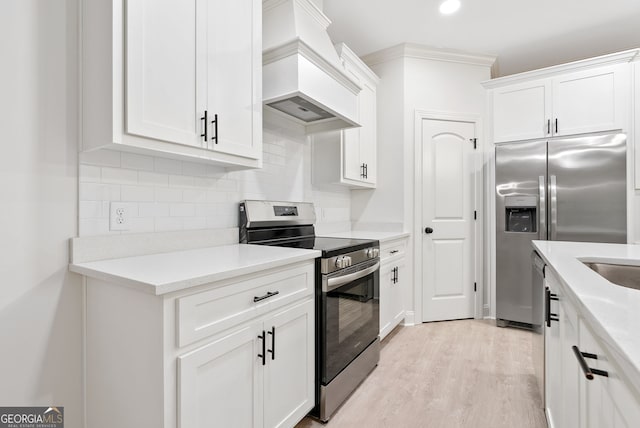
351 319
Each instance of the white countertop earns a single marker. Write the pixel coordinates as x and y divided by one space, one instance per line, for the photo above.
173 271
363 234
611 310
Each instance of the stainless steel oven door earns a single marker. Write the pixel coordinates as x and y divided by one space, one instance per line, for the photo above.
350 316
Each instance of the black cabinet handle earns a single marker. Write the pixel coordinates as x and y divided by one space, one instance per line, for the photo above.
215 128
556 125
549 296
428 230
394 251
395 275
205 120
548 126
264 354
366 170
266 296
272 351
588 371
362 171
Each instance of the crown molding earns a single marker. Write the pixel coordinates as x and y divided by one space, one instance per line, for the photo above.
584 64
350 57
416 51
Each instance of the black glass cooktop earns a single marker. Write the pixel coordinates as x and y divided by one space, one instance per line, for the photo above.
330 247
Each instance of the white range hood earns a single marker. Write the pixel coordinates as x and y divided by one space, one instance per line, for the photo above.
303 78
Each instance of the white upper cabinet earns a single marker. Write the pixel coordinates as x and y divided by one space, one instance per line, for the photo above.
521 112
162 101
234 77
174 79
591 101
576 98
349 157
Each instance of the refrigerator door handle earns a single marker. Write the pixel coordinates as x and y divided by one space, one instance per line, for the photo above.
542 218
553 194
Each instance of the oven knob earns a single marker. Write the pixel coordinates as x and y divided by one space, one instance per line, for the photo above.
370 253
376 252
340 262
347 261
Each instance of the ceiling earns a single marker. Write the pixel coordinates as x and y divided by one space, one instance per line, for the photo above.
525 35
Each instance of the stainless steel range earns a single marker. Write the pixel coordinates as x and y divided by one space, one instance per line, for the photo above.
347 295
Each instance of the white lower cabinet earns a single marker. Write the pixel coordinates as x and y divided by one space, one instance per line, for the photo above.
230 383
235 353
393 274
573 400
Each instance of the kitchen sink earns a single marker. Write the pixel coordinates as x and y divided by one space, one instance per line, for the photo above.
624 275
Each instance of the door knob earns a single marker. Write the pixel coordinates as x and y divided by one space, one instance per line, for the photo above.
428 230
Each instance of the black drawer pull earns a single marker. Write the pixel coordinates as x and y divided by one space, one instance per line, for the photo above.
588 371
394 251
215 128
204 118
264 354
549 296
272 351
266 296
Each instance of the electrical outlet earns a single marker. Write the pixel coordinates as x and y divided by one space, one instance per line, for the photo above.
118 216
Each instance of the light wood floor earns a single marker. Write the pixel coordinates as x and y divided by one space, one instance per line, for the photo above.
451 374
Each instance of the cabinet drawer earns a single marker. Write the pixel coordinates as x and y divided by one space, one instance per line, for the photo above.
209 312
392 249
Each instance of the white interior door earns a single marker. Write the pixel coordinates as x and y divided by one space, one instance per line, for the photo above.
448 248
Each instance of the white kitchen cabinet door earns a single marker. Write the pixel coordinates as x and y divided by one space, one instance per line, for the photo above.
289 392
553 367
522 111
386 282
591 101
368 133
391 295
397 301
605 401
162 59
349 157
221 384
570 367
234 77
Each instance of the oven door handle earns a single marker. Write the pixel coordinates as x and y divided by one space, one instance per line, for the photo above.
333 283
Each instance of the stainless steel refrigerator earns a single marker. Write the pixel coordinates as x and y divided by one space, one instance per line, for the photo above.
570 189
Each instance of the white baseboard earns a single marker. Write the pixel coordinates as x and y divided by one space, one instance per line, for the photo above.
409 318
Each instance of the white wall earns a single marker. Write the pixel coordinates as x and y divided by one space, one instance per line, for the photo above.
409 84
40 301
164 194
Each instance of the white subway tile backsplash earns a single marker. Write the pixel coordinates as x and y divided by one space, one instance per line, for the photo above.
93 226
90 209
168 166
181 181
182 210
136 161
195 195
194 169
166 194
153 179
192 223
101 158
119 175
89 174
137 193
168 223
153 209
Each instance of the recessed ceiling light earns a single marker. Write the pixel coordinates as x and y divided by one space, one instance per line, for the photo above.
449 6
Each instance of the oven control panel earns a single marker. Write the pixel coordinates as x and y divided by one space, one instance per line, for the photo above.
346 260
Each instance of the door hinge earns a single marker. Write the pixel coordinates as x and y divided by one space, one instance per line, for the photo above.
475 143
475 215
475 287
